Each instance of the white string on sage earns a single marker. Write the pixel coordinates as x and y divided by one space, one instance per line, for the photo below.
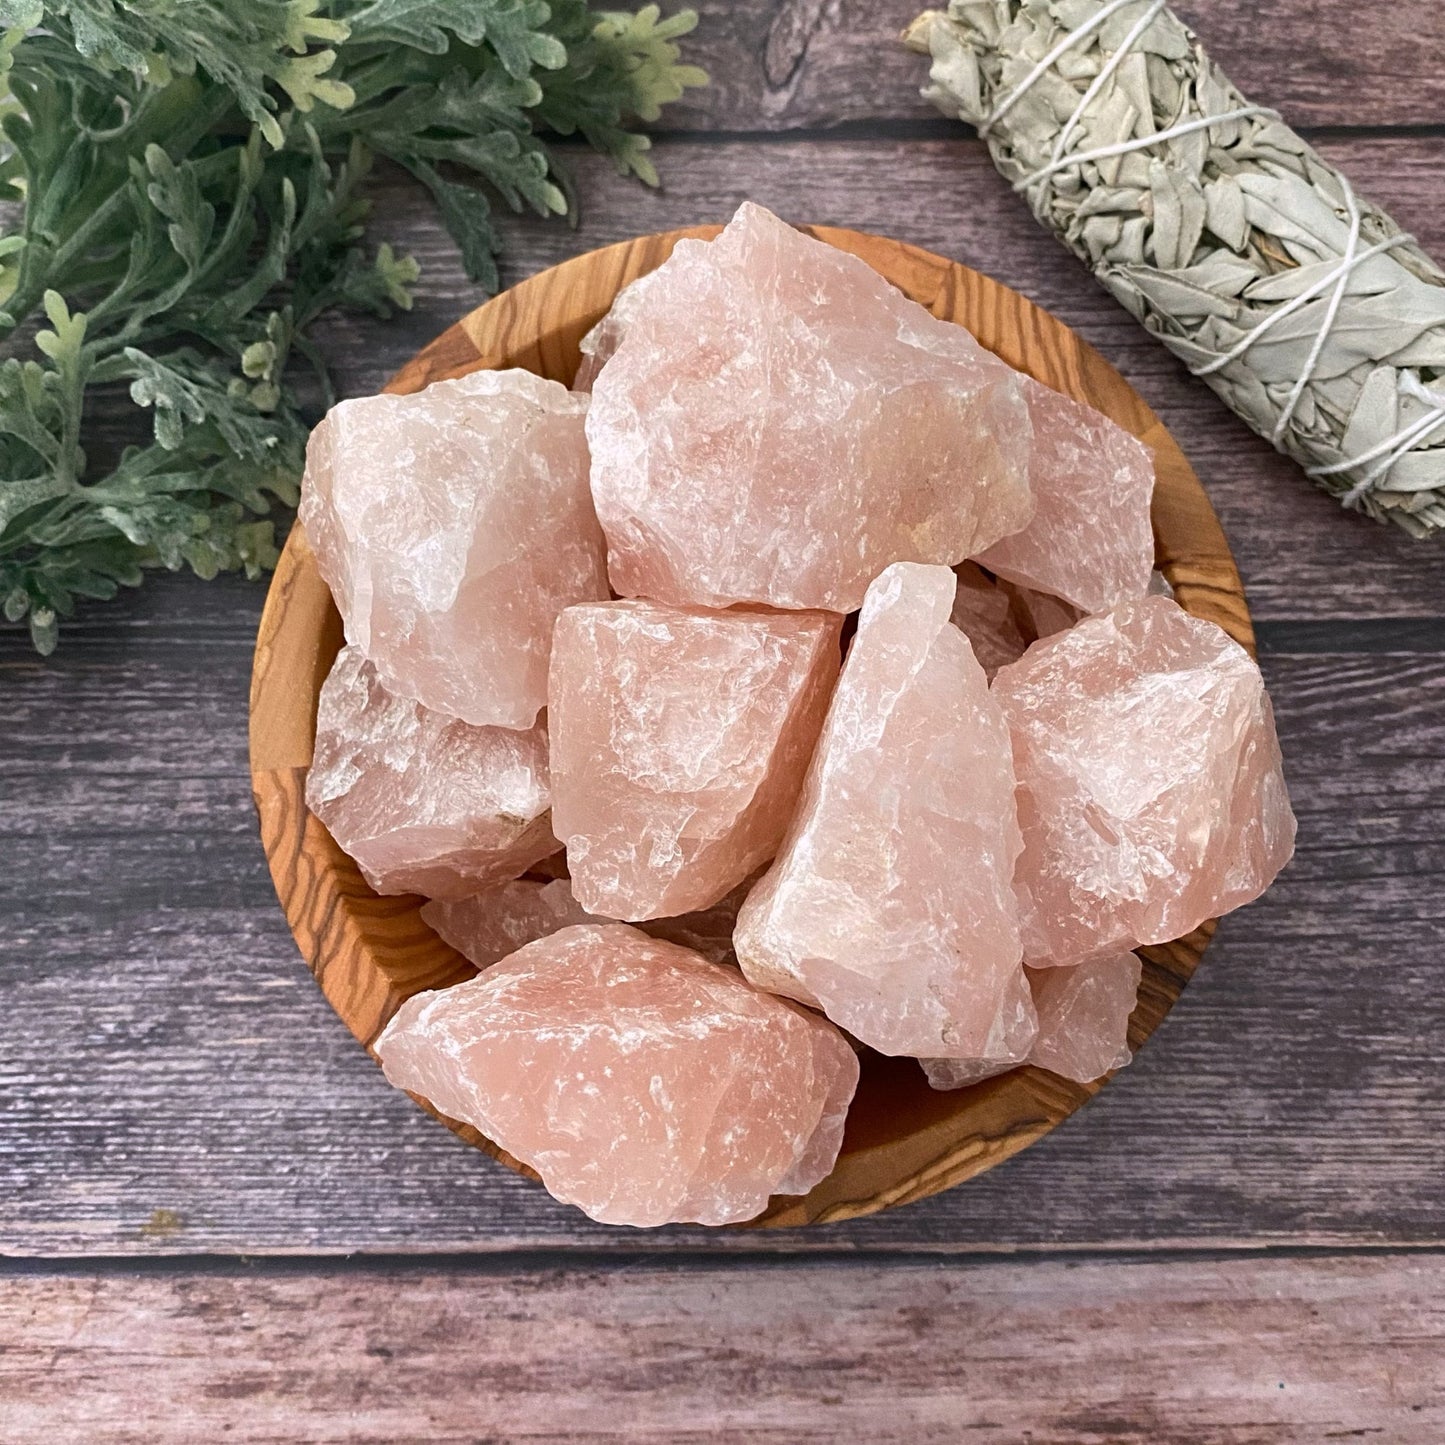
1304 307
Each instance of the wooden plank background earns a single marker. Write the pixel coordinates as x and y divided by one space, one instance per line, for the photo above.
174 1093
800 1355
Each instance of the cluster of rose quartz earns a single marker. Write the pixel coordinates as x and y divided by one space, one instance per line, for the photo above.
612 624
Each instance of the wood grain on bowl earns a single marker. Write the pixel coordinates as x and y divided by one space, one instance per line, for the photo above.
904 1140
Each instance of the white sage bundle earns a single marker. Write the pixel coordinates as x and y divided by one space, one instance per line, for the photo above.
1307 309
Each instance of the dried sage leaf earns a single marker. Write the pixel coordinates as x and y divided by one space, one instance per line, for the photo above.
1247 254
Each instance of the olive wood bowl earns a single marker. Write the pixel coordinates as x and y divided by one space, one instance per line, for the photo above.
904 1141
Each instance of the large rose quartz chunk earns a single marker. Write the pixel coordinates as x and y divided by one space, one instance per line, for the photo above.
1150 790
489 926
1090 541
452 527
777 424
680 738
1084 1016
890 905
423 802
644 1084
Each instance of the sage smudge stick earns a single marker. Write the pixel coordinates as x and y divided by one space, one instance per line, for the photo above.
1306 308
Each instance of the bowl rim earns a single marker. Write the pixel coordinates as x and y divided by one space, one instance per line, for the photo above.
369 953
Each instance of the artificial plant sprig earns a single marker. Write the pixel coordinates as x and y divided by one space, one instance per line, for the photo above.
185 178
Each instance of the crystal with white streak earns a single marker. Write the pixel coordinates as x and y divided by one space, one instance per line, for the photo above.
644 1084
1150 790
890 906
680 738
423 802
452 527
777 423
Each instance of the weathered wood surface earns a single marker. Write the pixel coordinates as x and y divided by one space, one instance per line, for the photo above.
166 1050
777 64
1181 1352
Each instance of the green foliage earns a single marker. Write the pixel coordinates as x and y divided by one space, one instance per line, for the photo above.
185 176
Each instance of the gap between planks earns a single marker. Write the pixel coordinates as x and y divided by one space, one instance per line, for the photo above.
643 1256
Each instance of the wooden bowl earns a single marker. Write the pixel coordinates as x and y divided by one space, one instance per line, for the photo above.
904 1141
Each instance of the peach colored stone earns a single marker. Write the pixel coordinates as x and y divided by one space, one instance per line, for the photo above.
489 926
777 424
1084 1016
452 527
1083 1025
679 742
604 338
1090 540
423 802
890 905
1150 790
644 1084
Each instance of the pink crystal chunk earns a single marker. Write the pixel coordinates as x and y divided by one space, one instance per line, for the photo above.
890 905
604 338
644 1084
679 742
1091 541
452 527
423 802
1150 790
777 424
487 927
1083 1025
1084 1016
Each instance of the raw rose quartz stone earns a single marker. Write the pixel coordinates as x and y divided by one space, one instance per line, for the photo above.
423 802
777 423
1084 1016
490 925
1150 790
983 612
1007 1048
644 1084
452 527
1090 541
890 905
604 338
679 742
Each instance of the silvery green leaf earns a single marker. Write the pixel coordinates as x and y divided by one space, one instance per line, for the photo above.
1104 200
1224 208
1177 297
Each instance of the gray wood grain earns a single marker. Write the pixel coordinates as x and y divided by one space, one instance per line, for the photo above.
165 1049
1300 555
779 64
1239 1352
